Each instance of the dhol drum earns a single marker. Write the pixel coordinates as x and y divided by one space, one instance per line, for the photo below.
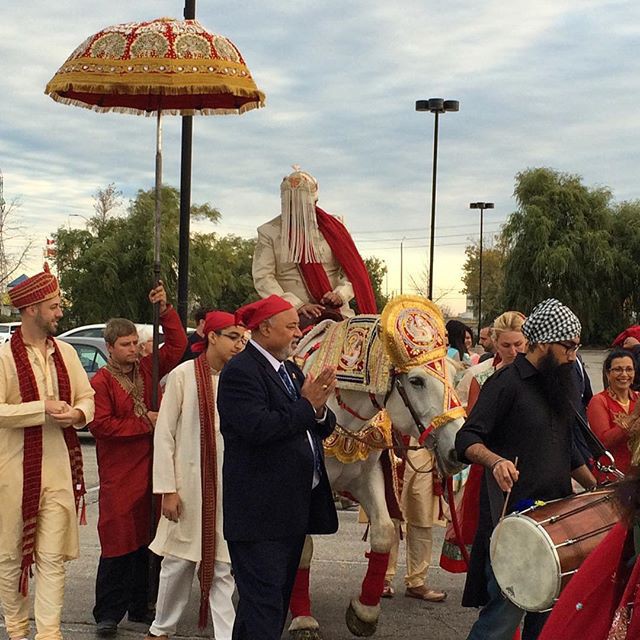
535 552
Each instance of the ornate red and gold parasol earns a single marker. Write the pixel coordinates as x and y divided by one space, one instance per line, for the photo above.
164 65
161 66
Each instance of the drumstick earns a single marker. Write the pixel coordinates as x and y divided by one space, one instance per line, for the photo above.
506 498
504 510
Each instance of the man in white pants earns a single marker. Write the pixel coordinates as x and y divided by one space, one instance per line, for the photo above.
187 471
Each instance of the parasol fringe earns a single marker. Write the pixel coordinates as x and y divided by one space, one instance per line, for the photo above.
174 112
153 89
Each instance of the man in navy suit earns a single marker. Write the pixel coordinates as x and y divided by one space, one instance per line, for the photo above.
275 486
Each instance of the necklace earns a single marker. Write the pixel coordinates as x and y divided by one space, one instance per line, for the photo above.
622 403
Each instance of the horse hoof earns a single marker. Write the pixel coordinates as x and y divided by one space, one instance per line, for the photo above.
358 627
305 634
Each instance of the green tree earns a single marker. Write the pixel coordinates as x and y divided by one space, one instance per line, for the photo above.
625 238
106 269
377 270
558 244
492 279
220 272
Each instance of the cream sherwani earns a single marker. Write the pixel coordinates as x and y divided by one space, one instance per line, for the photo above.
272 275
177 468
57 532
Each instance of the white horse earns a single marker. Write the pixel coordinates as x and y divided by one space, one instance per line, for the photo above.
420 402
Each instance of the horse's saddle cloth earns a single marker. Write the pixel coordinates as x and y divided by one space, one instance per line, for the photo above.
354 348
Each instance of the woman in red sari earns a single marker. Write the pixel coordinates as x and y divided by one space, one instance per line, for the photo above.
609 411
506 334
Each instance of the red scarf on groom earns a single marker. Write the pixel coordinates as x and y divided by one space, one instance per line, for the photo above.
346 253
32 460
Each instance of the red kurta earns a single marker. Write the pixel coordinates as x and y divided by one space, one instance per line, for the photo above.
124 448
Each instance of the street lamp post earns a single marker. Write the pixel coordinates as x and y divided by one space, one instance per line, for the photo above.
482 206
435 106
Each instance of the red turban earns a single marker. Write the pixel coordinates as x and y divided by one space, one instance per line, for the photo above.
43 286
632 332
214 321
251 315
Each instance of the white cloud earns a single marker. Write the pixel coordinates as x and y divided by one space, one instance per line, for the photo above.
552 83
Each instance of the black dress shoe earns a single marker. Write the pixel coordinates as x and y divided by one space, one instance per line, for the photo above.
106 628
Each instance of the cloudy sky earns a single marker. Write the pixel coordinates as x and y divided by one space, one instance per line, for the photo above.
549 83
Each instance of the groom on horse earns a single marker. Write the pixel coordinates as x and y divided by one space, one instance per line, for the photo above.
308 257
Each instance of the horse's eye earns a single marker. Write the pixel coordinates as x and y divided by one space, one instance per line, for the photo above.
416 381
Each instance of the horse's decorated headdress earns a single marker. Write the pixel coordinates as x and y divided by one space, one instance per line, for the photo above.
412 332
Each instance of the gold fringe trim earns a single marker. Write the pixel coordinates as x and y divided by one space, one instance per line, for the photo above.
374 436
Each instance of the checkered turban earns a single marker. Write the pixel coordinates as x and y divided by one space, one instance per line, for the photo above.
551 321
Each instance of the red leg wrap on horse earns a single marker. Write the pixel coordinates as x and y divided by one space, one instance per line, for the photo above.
373 582
300 603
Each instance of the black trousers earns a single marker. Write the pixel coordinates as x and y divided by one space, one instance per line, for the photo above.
264 572
122 586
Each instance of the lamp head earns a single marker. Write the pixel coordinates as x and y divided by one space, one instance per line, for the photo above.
437 105
481 205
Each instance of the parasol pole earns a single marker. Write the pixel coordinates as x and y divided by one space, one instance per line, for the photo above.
155 371
154 561
185 199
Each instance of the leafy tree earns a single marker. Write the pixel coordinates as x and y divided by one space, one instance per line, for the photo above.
106 270
625 238
558 243
377 270
220 272
492 279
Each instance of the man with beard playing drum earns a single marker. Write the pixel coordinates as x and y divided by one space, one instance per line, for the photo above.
523 412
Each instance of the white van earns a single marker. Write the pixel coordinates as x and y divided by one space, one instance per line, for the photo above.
6 329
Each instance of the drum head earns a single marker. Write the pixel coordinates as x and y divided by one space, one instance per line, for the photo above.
525 563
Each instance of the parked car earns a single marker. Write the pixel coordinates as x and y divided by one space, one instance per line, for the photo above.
93 355
86 331
6 329
92 352
97 331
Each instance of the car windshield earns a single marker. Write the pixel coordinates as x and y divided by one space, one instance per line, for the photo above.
90 357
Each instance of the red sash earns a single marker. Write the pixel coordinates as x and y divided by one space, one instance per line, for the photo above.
346 253
209 477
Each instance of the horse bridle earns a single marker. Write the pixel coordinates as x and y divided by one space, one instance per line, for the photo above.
438 421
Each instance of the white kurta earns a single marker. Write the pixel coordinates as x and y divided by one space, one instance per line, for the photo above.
271 275
15 416
176 467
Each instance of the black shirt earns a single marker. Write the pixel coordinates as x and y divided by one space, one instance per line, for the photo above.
512 417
